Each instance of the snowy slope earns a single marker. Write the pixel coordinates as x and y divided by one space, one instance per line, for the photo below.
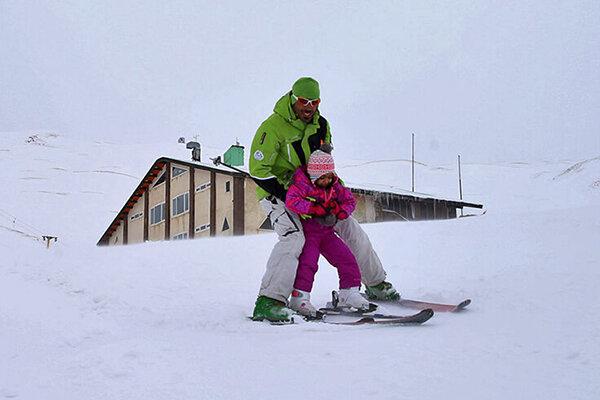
167 320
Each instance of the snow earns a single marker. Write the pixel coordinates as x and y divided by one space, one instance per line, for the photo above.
92 95
168 320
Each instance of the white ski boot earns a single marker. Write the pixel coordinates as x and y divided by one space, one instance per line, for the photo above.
300 302
352 298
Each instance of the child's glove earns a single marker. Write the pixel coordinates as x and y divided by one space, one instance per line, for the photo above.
317 210
335 208
342 214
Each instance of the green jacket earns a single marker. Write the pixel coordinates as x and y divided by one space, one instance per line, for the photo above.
281 144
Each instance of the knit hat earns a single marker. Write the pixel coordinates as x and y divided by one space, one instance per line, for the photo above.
307 88
319 164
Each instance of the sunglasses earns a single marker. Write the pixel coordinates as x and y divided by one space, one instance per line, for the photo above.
306 102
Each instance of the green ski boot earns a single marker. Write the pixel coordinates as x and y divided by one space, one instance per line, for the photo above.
383 291
271 310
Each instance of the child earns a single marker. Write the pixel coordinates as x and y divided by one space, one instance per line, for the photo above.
320 199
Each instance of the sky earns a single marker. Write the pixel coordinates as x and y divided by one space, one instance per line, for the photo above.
492 81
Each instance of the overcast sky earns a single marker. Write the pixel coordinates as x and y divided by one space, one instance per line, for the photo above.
494 81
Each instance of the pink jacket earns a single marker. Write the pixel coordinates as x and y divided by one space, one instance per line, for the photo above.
301 190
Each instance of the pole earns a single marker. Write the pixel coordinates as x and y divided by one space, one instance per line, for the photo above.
460 191
217 161
413 162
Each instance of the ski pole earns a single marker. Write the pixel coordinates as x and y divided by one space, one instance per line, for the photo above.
217 161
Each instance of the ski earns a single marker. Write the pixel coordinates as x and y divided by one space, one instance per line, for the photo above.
384 319
330 308
327 315
422 305
357 313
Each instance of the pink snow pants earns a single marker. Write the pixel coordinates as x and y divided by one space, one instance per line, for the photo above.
321 239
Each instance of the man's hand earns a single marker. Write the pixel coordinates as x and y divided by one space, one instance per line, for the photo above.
328 220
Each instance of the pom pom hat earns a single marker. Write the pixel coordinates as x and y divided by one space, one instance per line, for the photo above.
319 164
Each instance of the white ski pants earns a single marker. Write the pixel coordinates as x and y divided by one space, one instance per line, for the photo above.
278 280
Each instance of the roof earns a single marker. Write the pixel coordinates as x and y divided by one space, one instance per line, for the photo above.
405 194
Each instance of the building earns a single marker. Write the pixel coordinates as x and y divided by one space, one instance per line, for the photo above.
185 200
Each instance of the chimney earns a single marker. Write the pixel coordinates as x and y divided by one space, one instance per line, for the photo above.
195 146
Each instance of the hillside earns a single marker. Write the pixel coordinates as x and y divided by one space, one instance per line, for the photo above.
168 320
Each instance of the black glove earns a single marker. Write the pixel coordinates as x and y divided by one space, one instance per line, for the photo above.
272 186
328 220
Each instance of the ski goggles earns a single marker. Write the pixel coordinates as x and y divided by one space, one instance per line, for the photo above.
306 102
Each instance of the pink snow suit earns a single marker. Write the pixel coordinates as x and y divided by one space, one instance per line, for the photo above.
319 238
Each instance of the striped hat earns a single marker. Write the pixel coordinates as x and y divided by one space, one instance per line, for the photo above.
319 164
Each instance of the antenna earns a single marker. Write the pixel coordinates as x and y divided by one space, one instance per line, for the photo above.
413 162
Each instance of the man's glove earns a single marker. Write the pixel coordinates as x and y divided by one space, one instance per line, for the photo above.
317 210
328 220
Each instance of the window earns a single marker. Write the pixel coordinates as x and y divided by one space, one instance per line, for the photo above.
161 179
181 236
137 216
157 214
202 228
228 186
202 187
181 204
225 225
176 171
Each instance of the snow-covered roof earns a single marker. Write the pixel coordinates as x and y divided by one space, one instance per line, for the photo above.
385 189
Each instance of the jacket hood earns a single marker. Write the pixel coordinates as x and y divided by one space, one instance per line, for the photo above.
283 108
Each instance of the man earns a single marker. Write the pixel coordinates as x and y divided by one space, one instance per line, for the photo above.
282 143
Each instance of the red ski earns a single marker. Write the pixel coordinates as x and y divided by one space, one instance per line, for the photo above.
437 307
418 304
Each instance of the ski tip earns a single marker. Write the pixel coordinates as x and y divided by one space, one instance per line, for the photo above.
426 315
462 305
415 319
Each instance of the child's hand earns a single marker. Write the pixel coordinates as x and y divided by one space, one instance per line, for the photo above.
317 210
342 214
333 207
